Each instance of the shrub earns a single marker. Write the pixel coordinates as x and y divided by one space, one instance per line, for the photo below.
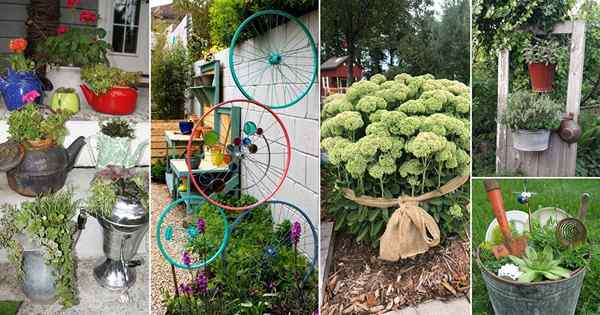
404 136
170 76
530 111
158 170
77 47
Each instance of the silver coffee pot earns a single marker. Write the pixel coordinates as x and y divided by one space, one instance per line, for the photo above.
122 233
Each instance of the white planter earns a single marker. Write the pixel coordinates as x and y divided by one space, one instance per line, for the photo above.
531 140
69 77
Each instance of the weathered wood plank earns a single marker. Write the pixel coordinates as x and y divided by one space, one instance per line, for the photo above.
502 133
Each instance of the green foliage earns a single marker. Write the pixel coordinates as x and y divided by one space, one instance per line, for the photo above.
537 267
65 90
19 63
588 146
48 221
386 138
199 42
530 111
171 74
117 128
30 124
78 47
544 51
157 170
241 286
101 78
496 24
114 182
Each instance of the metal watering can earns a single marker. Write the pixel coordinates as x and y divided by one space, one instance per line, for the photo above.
122 233
16 85
114 151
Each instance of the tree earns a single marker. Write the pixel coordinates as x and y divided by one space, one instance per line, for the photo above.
199 36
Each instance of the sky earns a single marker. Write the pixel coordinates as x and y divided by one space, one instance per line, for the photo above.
155 3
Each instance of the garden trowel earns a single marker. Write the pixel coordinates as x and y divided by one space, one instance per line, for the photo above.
514 247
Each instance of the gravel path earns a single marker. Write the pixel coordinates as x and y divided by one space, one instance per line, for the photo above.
161 269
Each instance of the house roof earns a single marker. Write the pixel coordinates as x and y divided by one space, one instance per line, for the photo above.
166 12
333 63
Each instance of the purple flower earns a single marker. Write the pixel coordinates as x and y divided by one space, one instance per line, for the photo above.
202 282
187 259
200 225
295 233
315 312
184 288
271 286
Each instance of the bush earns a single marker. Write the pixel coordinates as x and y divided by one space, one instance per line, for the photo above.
171 74
158 170
530 111
405 136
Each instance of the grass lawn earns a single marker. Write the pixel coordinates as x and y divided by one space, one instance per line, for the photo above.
9 307
562 193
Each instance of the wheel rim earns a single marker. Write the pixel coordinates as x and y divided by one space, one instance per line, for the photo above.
284 69
171 238
262 151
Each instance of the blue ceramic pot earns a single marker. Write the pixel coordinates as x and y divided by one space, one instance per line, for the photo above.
186 127
17 84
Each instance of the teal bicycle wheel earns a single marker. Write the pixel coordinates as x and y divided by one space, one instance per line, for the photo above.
273 59
181 244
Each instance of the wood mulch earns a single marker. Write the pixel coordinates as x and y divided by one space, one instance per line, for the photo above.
359 283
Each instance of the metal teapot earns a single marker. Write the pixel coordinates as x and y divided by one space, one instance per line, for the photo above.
569 130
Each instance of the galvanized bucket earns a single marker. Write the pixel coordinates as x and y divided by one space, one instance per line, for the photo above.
39 282
531 140
549 297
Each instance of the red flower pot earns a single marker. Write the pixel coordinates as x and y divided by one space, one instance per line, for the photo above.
542 76
119 100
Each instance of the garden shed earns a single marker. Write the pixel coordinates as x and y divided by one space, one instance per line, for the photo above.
334 75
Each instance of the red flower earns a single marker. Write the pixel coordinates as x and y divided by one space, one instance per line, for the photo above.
17 45
62 29
72 3
87 16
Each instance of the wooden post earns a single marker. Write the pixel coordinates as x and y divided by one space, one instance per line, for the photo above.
560 158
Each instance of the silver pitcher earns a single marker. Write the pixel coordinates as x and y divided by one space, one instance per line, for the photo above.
122 233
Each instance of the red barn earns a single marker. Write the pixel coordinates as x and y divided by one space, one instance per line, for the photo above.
334 75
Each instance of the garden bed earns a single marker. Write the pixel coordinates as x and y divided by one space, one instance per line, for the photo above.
359 283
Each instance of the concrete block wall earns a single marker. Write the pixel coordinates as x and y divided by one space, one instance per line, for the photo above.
301 186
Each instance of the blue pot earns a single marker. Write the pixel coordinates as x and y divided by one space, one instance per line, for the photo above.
186 127
17 84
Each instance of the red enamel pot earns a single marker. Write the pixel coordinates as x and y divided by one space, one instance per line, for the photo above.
119 100
542 76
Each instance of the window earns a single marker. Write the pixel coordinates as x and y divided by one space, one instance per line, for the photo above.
126 23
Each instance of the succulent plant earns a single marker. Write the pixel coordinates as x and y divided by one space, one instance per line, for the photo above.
539 266
117 128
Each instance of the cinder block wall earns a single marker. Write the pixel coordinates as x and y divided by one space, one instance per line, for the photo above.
301 187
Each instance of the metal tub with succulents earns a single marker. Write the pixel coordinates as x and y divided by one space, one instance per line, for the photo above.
34 158
533 263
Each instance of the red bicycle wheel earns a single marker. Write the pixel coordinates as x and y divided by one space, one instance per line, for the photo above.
260 155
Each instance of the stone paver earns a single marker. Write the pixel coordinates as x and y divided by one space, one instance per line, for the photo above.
435 307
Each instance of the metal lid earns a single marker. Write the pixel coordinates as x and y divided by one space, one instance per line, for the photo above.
128 214
11 155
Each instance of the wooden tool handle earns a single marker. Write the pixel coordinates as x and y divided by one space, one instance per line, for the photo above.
495 197
583 207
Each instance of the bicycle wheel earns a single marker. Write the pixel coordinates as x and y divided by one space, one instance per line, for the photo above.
259 155
273 59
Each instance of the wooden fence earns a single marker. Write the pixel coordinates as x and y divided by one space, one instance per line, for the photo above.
159 145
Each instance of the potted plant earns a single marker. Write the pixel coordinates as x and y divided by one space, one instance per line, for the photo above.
73 48
114 145
531 117
21 85
541 57
40 238
110 90
119 201
65 99
45 164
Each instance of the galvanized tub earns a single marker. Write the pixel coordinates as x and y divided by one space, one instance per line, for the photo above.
531 140
39 282
543 298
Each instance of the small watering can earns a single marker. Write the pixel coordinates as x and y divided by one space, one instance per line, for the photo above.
115 151
18 84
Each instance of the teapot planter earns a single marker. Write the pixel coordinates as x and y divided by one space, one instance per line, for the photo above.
43 167
116 151
64 101
119 100
18 84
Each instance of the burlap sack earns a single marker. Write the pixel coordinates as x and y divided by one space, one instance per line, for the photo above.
410 230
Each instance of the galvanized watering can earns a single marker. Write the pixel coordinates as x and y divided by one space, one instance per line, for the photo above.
122 233
115 151
542 298
39 280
